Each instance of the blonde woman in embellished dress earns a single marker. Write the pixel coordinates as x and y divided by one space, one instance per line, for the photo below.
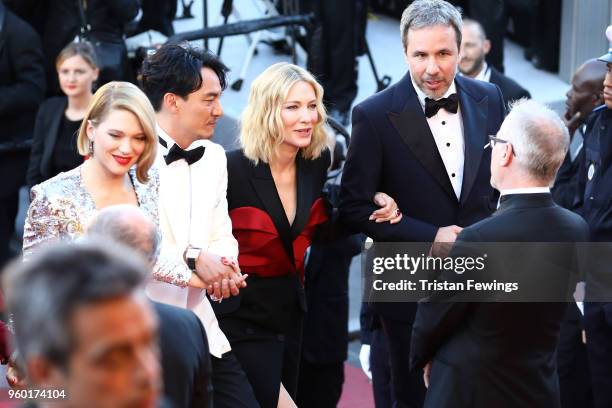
118 136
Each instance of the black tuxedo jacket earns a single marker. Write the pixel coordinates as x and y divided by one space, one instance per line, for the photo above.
185 357
46 128
393 150
500 354
273 303
510 89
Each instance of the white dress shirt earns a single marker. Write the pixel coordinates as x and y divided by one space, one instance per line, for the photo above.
447 130
525 190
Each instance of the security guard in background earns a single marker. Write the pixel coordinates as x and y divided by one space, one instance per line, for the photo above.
595 188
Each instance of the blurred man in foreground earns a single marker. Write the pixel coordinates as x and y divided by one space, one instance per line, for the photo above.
185 357
84 327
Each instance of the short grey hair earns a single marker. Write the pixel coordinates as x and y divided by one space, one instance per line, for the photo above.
429 13
44 292
539 138
130 226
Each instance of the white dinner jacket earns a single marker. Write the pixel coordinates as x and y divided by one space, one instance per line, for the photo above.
193 211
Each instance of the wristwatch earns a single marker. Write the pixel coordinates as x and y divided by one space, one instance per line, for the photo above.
191 256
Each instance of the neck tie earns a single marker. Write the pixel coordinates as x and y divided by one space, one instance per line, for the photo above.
176 153
449 104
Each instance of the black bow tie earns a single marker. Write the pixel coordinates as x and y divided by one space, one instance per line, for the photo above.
449 104
176 153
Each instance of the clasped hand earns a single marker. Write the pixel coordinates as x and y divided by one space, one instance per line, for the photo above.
221 276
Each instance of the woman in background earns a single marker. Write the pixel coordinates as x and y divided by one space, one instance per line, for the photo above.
54 148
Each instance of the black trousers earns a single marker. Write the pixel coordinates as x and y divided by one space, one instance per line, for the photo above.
408 386
231 388
267 358
572 363
598 324
381 370
320 385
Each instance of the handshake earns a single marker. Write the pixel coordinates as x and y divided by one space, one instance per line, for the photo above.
220 276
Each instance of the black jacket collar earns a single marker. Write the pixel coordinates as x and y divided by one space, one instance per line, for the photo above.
520 201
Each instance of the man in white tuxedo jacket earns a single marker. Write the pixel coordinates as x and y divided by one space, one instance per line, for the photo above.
198 249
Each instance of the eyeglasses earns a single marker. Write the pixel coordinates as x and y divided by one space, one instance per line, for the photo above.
494 139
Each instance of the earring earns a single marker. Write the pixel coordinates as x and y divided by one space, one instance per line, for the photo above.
91 147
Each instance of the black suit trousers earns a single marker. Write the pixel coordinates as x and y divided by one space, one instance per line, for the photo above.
320 384
572 363
231 388
267 358
381 370
408 385
598 324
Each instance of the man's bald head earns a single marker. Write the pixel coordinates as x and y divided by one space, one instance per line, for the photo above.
130 226
586 91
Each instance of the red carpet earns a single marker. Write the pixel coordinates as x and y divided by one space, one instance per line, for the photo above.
357 391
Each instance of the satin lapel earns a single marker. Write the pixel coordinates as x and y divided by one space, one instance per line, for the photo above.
304 196
174 191
264 186
414 130
57 114
474 114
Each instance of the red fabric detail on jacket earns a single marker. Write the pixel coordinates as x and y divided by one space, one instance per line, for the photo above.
260 246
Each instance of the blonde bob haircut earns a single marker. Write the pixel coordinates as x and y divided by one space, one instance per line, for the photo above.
124 96
262 127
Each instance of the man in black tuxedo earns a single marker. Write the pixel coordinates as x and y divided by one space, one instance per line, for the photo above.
185 358
508 347
475 46
421 141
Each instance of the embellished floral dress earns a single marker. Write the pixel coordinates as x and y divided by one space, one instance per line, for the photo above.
61 208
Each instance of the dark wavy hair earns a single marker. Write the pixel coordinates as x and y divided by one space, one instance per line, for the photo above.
176 68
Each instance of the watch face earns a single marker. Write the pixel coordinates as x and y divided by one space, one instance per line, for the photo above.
193 253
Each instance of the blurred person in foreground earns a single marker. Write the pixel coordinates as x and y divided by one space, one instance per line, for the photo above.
84 327
474 48
507 345
54 146
22 87
185 358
